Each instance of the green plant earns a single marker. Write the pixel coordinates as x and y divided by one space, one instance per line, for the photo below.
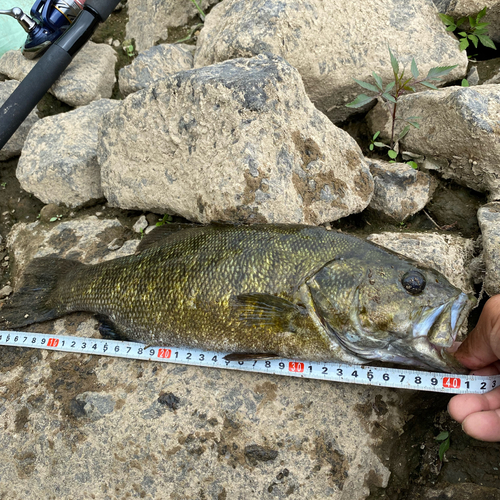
444 437
57 217
199 9
390 93
128 48
166 219
475 33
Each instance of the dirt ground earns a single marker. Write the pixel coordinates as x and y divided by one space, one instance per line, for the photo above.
414 461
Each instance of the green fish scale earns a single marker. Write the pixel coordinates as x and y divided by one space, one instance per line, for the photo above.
180 291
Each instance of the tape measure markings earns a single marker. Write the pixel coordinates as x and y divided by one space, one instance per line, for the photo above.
335 372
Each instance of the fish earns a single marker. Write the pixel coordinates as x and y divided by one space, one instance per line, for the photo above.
258 291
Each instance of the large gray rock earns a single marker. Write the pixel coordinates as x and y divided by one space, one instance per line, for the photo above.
489 222
15 143
149 20
459 133
450 255
237 141
89 239
89 77
400 190
330 43
58 163
152 65
208 433
462 8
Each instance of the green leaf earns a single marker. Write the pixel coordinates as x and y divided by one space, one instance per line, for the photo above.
463 33
460 21
392 154
430 85
412 164
376 134
481 14
408 88
370 147
52 219
360 101
446 19
414 69
487 41
481 26
442 436
389 86
414 124
445 445
472 21
367 86
464 43
439 72
394 63
404 132
378 80
389 97
465 82
474 40
381 145
451 27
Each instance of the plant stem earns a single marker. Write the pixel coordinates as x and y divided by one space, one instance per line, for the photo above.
393 122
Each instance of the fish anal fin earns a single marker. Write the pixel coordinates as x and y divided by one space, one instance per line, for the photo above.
249 356
108 329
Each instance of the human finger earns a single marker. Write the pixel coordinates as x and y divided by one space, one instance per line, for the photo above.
463 405
482 345
484 425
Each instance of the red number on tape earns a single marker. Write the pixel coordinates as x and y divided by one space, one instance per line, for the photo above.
295 366
451 382
164 353
53 342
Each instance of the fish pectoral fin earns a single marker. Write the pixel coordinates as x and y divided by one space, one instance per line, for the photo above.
108 329
262 309
249 356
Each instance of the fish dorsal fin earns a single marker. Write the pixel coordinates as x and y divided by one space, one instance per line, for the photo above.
160 233
265 310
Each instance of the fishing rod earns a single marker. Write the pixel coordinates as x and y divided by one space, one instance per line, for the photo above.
58 29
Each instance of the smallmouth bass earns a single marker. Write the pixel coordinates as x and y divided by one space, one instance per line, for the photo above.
291 291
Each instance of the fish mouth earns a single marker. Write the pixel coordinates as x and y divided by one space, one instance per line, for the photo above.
432 332
435 331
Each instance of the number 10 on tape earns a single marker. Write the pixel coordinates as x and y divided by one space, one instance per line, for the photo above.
336 372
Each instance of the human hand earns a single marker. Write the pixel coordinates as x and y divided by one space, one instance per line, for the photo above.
479 414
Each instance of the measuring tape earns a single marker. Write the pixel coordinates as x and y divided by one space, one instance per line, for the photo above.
335 372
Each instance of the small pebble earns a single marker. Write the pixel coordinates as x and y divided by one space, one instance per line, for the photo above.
5 291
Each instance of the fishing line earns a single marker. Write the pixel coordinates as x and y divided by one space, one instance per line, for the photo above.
334 372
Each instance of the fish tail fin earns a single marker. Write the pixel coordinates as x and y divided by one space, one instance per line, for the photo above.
37 298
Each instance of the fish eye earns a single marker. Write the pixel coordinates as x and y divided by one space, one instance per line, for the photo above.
413 282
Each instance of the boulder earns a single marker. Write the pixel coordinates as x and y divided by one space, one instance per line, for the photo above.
489 222
236 141
463 8
149 20
58 163
15 143
89 77
400 190
331 43
88 240
152 65
449 254
458 135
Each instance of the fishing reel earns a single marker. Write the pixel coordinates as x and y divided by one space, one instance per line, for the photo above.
49 20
